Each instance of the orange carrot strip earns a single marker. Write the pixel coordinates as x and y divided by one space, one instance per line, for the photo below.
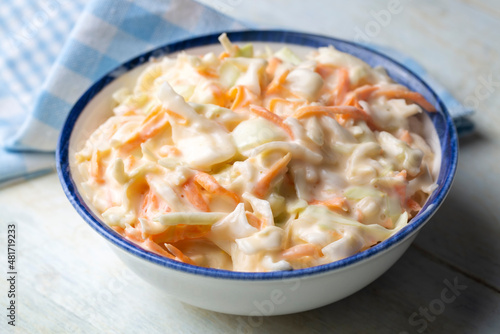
223 55
181 232
129 162
276 84
210 184
264 113
333 111
403 174
153 124
242 97
179 256
413 205
387 223
181 119
148 202
237 93
273 102
400 189
133 233
334 203
406 137
118 229
272 65
359 215
208 72
254 220
343 84
168 150
194 195
220 96
96 167
324 70
155 248
362 93
298 251
152 205
263 185
407 95
355 103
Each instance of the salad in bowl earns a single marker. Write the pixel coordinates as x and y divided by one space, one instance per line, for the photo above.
260 160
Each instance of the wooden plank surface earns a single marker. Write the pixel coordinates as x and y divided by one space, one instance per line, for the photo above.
71 282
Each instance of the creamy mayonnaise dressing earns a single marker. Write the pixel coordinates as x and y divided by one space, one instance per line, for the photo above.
260 162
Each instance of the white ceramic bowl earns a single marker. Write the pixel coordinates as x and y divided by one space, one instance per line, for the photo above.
253 294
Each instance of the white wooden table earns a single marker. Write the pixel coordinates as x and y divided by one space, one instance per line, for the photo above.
69 280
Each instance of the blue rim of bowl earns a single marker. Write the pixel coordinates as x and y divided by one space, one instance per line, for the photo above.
445 178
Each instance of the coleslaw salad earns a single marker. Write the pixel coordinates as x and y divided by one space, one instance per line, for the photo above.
260 162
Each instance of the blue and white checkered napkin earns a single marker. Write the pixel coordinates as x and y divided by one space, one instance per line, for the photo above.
44 68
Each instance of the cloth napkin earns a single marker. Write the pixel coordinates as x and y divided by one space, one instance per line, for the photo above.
44 68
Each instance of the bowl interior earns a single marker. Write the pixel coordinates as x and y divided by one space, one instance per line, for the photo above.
95 106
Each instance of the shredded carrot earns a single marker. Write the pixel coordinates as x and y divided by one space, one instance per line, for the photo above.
343 84
359 215
413 205
272 65
129 162
276 84
194 195
155 248
351 101
168 150
180 119
118 229
407 95
403 174
184 232
153 113
242 97
153 124
223 55
324 70
298 251
96 166
152 205
334 203
181 232
210 184
362 93
387 223
333 111
133 233
406 137
264 113
275 101
149 202
254 220
335 235
264 184
179 256
221 98
208 72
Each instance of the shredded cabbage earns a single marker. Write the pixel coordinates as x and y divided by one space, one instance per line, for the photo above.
259 161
